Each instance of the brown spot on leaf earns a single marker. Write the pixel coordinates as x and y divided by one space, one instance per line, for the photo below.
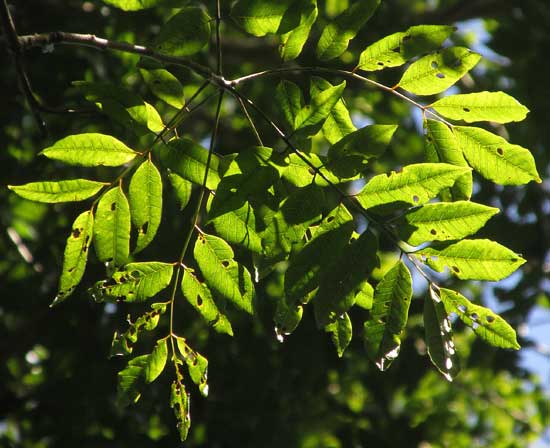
465 109
433 232
500 151
225 263
76 232
199 300
440 75
490 319
455 269
113 206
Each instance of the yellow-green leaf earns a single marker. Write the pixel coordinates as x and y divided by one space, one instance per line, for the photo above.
156 361
58 191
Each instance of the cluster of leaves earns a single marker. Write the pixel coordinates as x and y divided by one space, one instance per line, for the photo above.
291 213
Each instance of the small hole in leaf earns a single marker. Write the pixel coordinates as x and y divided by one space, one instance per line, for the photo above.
416 198
474 316
225 263
113 206
433 232
70 270
513 260
84 248
135 274
380 63
465 109
396 49
457 63
199 300
455 269
462 308
440 75
330 219
434 64
76 233
500 151
429 139
144 227
406 38
490 319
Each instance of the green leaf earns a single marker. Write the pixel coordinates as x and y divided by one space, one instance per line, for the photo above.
349 155
135 282
442 146
443 221
261 17
336 35
439 337
222 273
293 41
132 5
437 72
75 256
342 276
145 194
112 228
179 401
290 100
156 362
338 123
396 49
489 326
320 107
341 333
415 185
472 259
163 84
388 316
197 365
90 150
496 159
182 187
199 296
301 173
481 106
130 379
287 318
185 34
188 159
58 191
122 343
307 266
365 296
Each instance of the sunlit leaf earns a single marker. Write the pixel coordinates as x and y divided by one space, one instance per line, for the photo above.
496 159
130 379
472 259
132 5
388 316
341 333
415 185
443 221
287 317
489 326
300 172
396 49
75 256
481 106
135 282
163 84
197 365
439 337
293 41
199 296
179 401
336 35
290 100
320 107
156 362
145 195
261 17
186 33
112 228
58 191
437 72
182 187
90 150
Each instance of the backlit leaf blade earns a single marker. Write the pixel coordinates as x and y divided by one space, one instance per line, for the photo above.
188 159
489 326
223 274
185 34
287 317
320 107
260 17
290 100
199 296
156 361
443 221
293 41
396 49
130 379
415 185
135 282
439 337
341 333
145 195
388 316
336 35
75 255
112 228
58 191
182 188
301 173
472 259
132 5
90 149
197 365
496 159
338 123
179 402
443 146
481 106
437 72
163 84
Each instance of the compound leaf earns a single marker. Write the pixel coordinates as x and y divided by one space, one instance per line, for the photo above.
489 326
437 72
388 316
481 106
472 259
90 149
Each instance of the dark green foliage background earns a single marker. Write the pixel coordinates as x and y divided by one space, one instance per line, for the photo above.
262 393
